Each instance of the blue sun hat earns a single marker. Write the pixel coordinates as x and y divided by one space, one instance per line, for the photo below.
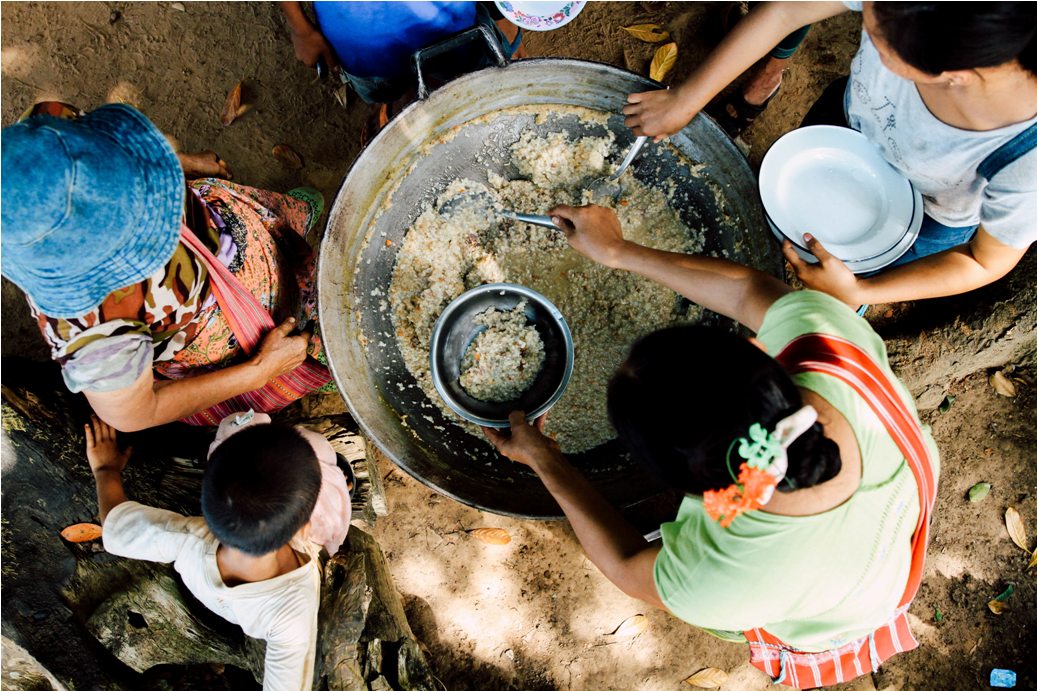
90 205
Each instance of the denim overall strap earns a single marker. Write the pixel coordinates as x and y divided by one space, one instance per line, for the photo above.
1015 148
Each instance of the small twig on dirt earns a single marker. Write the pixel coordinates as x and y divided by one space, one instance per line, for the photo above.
95 31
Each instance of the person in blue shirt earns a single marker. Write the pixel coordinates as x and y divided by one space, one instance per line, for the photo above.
370 45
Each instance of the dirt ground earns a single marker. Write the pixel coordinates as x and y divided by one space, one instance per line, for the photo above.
533 614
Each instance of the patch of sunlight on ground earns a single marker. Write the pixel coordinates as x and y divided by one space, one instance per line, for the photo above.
16 61
954 566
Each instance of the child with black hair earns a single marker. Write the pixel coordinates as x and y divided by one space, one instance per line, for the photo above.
248 559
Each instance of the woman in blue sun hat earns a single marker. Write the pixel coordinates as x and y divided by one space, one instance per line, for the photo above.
158 296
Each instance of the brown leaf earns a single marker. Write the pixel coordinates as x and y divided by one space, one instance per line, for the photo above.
1033 560
242 109
1002 384
231 105
649 33
996 606
631 627
1016 529
708 678
287 156
663 61
491 536
81 532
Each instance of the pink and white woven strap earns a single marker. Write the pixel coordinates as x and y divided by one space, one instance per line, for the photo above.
247 318
250 322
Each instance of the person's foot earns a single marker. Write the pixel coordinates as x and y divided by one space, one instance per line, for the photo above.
736 114
377 120
739 111
765 81
510 32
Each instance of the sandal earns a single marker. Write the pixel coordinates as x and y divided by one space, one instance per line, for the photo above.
347 470
735 114
313 199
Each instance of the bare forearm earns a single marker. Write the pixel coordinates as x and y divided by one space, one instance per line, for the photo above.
951 272
749 41
149 403
615 547
733 290
110 492
296 18
185 397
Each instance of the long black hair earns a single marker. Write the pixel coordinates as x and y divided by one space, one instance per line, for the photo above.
686 393
939 37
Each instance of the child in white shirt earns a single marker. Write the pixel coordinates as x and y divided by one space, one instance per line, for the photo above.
246 559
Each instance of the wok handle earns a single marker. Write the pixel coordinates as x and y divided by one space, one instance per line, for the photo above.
533 219
451 43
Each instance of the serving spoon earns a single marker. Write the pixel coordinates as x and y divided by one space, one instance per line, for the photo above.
609 187
482 202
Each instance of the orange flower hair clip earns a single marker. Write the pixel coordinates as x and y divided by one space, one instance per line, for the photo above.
765 465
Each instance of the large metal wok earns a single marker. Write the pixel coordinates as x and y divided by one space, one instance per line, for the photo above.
404 168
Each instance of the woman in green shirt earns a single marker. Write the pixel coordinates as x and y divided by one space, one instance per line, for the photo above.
819 562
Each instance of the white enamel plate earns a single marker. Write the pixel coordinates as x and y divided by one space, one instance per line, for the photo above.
833 183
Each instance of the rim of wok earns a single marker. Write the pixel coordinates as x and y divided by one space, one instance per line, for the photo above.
335 270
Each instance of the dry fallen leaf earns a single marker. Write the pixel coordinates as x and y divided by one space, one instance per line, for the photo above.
81 532
1016 529
708 678
663 61
631 627
1033 560
491 536
231 105
242 109
649 33
996 606
1002 384
287 156
178 6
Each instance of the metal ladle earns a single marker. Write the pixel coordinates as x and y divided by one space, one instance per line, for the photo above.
609 187
482 201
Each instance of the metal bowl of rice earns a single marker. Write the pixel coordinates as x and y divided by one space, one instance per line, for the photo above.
460 325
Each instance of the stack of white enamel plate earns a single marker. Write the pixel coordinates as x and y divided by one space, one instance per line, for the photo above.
833 183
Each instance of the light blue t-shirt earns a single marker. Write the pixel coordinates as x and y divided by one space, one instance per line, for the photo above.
941 160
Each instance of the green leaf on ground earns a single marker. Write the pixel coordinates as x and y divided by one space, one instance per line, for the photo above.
979 491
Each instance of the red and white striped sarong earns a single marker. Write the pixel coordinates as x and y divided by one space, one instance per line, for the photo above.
847 362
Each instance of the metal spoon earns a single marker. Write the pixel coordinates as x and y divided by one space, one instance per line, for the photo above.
532 219
482 202
609 187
